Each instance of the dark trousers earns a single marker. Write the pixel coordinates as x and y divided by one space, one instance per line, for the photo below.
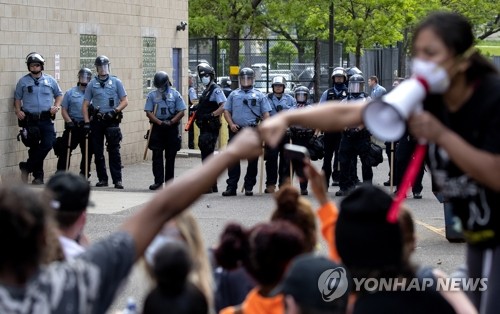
352 146
111 132
332 143
404 154
390 147
206 142
276 164
235 172
164 144
77 139
37 153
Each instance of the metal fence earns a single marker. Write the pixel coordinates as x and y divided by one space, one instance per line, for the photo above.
311 67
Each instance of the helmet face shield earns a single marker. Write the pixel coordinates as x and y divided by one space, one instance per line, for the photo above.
103 69
84 78
246 80
356 87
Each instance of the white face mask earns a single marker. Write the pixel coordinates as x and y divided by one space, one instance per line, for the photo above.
431 72
205 80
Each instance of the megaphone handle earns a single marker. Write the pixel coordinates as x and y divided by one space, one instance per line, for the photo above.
408 180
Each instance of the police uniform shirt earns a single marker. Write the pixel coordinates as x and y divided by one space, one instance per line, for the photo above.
168 107
247 106
106 97
217 95
72 102
192 94
342 92
286 102
37 95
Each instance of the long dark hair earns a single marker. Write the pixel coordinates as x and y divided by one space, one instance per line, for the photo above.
455 32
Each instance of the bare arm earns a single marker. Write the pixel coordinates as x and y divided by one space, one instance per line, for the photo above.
234 127
185 190
17 109
331 116
65 115
85 111
177 117
123 104
57 105
482 166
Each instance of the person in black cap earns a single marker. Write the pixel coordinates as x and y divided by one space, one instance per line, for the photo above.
70 200
314 284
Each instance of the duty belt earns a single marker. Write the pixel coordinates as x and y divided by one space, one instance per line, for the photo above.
41 116
301 133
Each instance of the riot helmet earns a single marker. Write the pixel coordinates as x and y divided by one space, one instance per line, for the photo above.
225 82
102 65
356 84
36 58
278 81
302 94
84 76
337 73
161 81
246 78
351 71
206 73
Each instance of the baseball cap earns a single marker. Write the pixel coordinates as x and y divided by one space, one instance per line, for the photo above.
316 282
70 191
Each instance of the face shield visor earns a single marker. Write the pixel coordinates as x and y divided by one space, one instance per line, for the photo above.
246 81
301 97
356 87
84 78
103 70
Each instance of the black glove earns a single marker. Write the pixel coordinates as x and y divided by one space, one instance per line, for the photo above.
69 125
110 115
193 108
86 128
166 123
313 138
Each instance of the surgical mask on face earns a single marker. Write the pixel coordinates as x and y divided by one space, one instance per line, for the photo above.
205 80
435 75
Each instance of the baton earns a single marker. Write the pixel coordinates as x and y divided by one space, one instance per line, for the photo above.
68 156
261 169
190 121
149 134
86 156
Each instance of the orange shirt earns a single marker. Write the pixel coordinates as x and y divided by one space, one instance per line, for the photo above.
328 215
257 304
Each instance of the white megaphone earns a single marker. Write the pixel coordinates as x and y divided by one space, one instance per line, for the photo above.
386 117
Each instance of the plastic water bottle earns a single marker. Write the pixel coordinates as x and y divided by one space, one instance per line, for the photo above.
131 307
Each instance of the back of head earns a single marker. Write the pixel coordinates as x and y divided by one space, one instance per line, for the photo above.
24 220
365 240
70 196
172 264
297 210
189 301
317 284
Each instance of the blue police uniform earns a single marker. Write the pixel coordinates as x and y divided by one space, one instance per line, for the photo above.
164 137
246 108
332 139
37 96
273 169
72 103
355 142
105 96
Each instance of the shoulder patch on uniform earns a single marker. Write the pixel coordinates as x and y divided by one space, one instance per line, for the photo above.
217 91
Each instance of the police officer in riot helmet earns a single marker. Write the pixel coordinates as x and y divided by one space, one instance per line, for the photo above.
338 91
164 108
74 125
37 99
355 142
109 98
279 100
209 109
301 135
225 84
245 107
351 71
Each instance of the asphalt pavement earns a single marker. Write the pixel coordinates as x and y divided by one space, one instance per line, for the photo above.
213 211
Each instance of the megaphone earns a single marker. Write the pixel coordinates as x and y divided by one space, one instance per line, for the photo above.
386 117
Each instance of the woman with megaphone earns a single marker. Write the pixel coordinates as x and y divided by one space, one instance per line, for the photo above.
451 102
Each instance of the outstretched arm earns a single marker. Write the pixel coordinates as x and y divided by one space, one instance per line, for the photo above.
330 116
180 193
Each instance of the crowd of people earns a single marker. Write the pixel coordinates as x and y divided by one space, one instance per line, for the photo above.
273 266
